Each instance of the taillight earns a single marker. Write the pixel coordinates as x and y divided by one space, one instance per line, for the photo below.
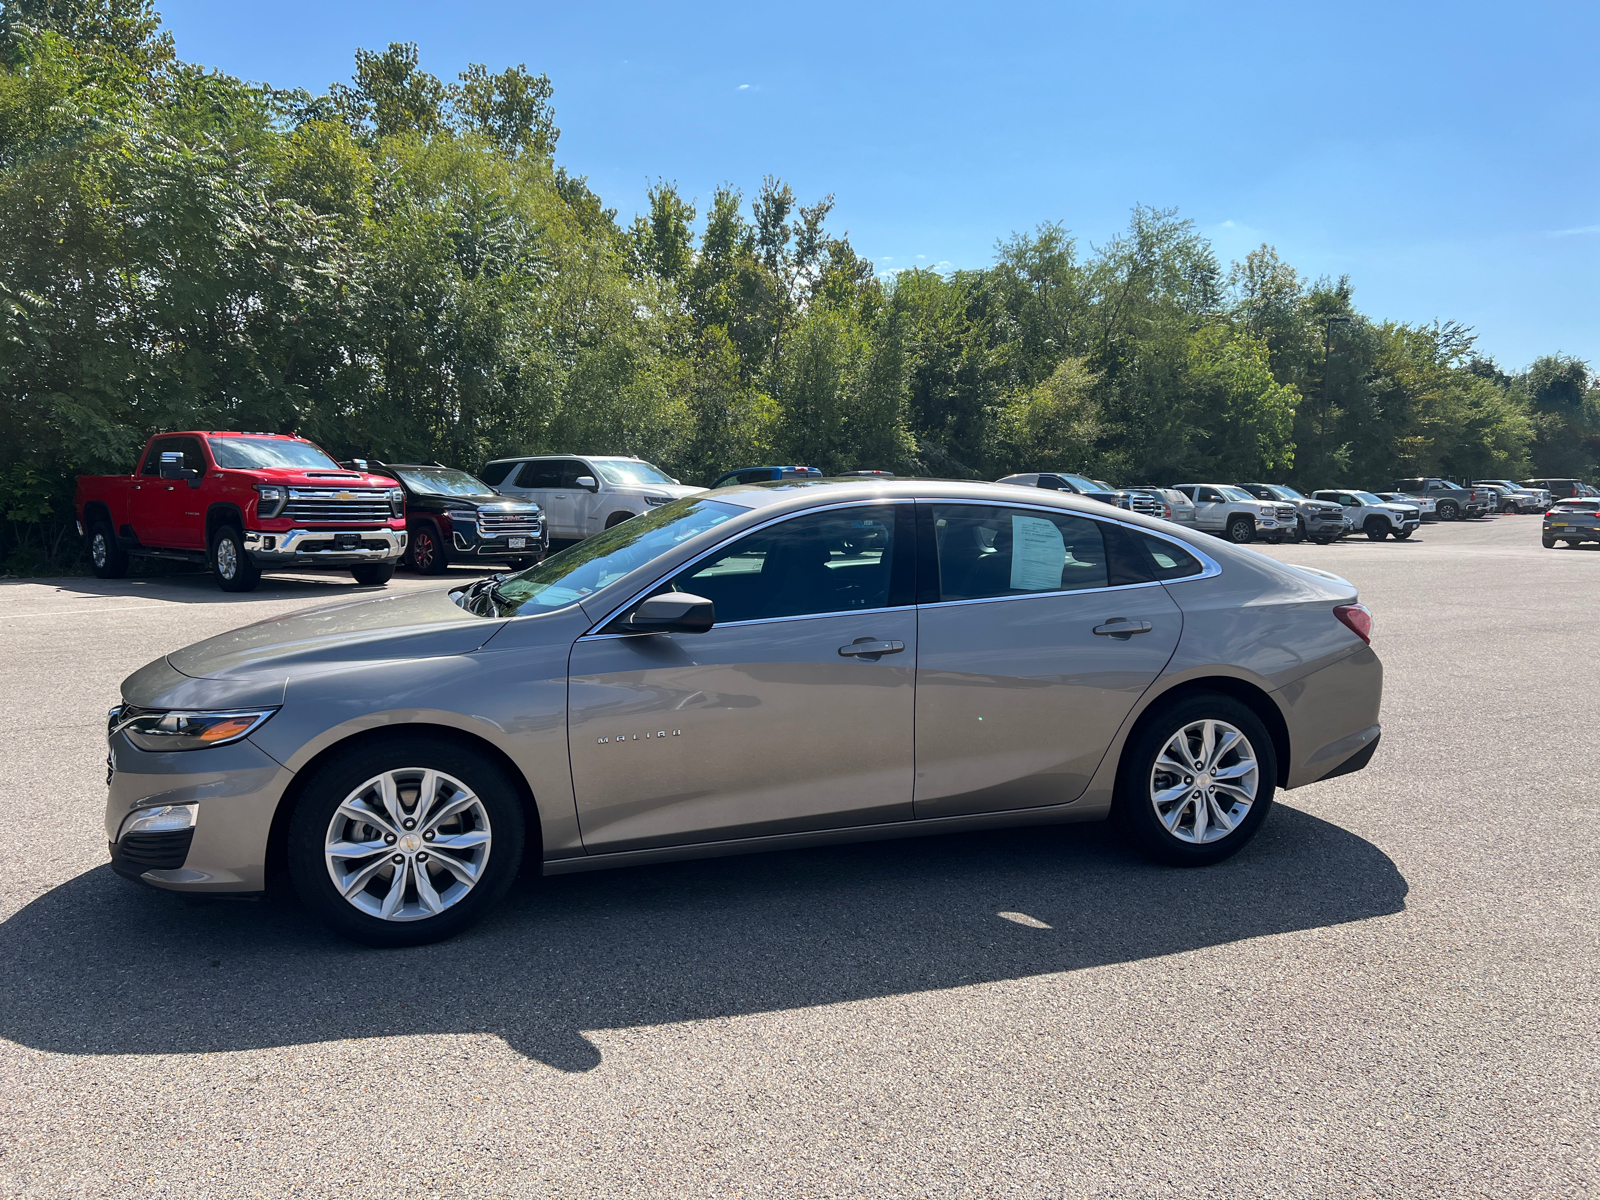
1358 618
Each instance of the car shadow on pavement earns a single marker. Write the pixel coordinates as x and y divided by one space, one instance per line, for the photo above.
101 966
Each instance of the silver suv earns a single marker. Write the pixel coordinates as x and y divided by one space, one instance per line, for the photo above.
582 494
752 669
1236 514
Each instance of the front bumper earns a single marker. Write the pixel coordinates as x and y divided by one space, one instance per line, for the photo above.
534 546
235 788
312 547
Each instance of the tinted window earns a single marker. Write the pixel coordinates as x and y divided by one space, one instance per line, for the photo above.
494 474
1170 560
826 562
545 473
1208 496
988 552
567 472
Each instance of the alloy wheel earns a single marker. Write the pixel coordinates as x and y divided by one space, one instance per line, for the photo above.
1204 781
227 558
408 844
422 551
98 550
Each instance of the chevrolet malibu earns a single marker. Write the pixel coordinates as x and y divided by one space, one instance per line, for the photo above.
767 666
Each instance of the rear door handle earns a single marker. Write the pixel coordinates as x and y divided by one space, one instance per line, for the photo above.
1121 627
870 648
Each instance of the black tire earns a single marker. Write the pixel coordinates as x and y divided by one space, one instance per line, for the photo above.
337 779
1449 510
521 564
1549 542
429 556
106 559
1241 530
1376 528
1298 533
617 518
373 574
1134 809
1324 541
1401 535
230 563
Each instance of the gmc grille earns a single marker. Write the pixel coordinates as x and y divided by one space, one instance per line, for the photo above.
1148 505
324 505
497 522
1285 512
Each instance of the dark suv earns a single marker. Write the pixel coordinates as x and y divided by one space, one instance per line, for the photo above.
453 515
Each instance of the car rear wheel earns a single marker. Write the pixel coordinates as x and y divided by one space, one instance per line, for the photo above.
402 842
1448 510
1196 781
373 574
428 554
1549 542
106 558
231 563
1241 530
1376 528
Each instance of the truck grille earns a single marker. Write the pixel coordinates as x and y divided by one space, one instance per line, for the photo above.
493 522
1285 513
1148 505
324 505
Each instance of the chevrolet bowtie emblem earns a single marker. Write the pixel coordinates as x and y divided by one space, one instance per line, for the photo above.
345 496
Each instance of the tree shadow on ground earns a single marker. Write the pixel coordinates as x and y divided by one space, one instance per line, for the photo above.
100 966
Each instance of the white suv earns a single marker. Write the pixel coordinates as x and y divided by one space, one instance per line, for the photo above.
1236 514
581 494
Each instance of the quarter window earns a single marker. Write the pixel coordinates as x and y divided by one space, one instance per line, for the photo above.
1169 560
988 552
828 562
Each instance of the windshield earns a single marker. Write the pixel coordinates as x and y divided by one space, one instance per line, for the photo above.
440 481
1079 482
1284 493
1367 498
619 472
250 454
1233 493
584 569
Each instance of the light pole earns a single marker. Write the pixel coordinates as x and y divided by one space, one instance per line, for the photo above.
1322 425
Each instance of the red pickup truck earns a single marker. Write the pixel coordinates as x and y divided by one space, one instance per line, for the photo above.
241 502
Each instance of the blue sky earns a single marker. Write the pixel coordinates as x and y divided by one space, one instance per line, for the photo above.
1446 157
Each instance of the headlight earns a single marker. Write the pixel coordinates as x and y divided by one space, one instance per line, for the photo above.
1268 511
654 501
152 729
397 500
272 499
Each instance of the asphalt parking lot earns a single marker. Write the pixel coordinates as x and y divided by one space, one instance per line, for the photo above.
1392 992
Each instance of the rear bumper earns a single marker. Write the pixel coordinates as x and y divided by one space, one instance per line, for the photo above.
1332 717
309 547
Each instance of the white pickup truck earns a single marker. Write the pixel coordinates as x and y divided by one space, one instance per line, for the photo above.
1376 518
1236 514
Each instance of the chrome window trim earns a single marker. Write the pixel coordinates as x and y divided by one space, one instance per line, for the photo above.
843 612
745 532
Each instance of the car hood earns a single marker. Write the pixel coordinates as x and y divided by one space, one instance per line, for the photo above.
413 625
675 491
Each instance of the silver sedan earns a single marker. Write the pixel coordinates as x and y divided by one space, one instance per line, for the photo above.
768 666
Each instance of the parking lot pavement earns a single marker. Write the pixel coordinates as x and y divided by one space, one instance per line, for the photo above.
1392 992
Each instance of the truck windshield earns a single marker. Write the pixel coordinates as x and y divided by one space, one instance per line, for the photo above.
252 454
621 472
1233 493
1080 482
1367 498
440 481
584 569
1282 492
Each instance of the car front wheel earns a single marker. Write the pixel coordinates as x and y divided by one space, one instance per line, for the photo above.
230 562
373 574
428 554
1376 529
1197 781
1241 530
402 842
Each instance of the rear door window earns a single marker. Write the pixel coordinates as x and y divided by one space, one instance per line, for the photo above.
991 552
545 473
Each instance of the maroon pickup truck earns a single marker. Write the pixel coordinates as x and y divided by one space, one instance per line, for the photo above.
241 502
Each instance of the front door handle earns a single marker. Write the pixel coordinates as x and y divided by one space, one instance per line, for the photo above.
1121 627
870 648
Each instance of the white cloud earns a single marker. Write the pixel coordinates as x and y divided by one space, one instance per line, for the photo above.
743 87
1581 229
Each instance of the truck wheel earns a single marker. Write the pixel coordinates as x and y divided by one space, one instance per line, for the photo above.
107 559
230 563
1401 535
428 554
405 840
1241 530
373 574
1298 533
1376 529
617 518
1449 510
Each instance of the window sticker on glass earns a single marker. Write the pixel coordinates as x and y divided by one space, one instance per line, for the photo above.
1038 553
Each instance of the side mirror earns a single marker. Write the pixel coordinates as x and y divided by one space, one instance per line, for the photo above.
587 483
172 468
670 612
355 464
